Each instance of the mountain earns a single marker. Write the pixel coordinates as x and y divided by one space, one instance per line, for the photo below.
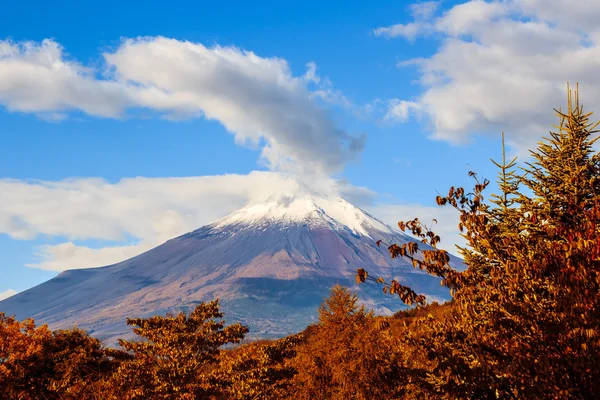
271 263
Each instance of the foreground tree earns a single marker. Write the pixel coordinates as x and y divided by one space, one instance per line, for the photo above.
176 357
36 363
258 370
347 355
525 322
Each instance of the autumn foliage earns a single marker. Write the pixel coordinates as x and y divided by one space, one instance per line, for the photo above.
36 363
525 318
174 359
523 322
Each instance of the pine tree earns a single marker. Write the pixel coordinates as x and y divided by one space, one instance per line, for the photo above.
346 355
525 320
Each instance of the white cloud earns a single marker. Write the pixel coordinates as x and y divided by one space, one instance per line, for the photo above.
7 293
311 73
38 78
503 66
400 110
579 15
470 17
446 227
408 31
68 255
422 14
425 10
137 214
255 98
140 212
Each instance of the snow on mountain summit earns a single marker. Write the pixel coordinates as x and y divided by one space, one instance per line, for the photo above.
336 213
270 263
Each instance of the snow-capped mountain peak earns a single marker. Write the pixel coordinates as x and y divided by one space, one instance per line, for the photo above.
271 263
306 209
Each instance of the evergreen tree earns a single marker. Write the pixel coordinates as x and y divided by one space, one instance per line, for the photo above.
525 321
346 355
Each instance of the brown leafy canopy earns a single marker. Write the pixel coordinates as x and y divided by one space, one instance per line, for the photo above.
259 370
174 361
178 350
526 312
38 363
345 355
349 354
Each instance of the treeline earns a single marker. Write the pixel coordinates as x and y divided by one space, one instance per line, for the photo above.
349 354
524 321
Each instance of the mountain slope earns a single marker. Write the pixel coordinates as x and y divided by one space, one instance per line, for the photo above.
270 263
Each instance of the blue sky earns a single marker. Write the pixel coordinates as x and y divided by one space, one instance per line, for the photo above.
90 121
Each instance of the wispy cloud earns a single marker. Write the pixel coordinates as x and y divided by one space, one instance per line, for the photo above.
421 13
7 293
256 98
136 214
503 66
